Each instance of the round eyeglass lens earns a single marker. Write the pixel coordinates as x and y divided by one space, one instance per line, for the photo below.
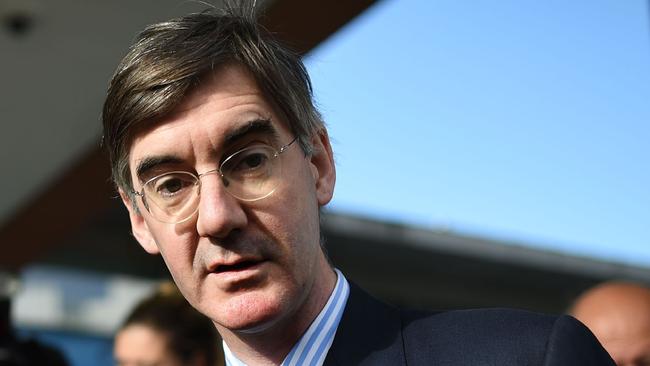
172 197
252 173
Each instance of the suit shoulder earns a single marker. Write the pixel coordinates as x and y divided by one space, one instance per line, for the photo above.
500 337
482 325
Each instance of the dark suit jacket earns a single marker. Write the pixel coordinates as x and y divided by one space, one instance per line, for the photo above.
373 333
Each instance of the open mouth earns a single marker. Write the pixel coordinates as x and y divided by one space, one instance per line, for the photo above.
239 266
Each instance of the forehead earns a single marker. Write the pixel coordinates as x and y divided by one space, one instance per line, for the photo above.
139 343
225 100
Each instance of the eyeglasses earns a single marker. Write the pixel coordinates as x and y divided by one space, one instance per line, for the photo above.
250 174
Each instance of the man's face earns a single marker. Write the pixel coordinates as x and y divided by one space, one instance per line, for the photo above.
246 265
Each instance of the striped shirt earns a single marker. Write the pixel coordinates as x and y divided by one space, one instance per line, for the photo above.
313 346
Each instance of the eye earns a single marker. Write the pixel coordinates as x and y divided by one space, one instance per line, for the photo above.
170 185
253 160
248 161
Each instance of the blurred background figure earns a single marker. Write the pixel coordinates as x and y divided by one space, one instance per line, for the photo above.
164 330
618 313
15 351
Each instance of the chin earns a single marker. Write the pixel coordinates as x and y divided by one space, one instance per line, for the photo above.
258 328
250 313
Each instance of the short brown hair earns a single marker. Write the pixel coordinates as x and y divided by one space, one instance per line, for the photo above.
168 59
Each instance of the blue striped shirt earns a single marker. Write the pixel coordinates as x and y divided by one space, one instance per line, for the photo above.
313 346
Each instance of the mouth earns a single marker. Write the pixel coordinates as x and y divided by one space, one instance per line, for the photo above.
238 274
237 266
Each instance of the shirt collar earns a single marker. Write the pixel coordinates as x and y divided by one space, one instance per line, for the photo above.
314 344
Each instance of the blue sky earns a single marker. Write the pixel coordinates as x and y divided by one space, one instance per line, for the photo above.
523 121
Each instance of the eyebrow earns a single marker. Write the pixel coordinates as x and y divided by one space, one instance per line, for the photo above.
259 126
149 163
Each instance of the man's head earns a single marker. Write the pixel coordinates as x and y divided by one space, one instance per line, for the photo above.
170 59
618 313
200 121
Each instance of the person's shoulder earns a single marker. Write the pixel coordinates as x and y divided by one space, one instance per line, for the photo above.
482 326
500 336
493 320
373 330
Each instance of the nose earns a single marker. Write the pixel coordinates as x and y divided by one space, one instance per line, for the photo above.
219 213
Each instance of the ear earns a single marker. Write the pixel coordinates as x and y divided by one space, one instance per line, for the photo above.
322 167
139 227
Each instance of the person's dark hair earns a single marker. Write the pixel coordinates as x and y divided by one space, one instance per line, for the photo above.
189 333
22 352
169 59
30 352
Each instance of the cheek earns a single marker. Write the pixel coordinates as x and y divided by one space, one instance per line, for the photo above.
291 220
178 249
292 210
177 240
292 227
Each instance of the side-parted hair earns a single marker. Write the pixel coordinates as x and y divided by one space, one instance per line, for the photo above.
169 59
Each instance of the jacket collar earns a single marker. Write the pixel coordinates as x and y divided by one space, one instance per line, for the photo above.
370 333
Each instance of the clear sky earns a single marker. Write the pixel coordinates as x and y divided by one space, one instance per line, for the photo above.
524 121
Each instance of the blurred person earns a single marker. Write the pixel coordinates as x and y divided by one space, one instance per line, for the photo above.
618 313
224 164
15 351
29 352
164 330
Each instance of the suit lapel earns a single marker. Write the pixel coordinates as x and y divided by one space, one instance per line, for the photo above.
369 333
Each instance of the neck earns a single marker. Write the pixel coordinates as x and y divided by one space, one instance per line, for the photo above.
271 345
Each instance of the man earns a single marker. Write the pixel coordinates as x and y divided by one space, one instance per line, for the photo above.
619 315
224 164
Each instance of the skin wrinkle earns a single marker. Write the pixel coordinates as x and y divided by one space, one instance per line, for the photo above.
182 111
156 163
150 162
